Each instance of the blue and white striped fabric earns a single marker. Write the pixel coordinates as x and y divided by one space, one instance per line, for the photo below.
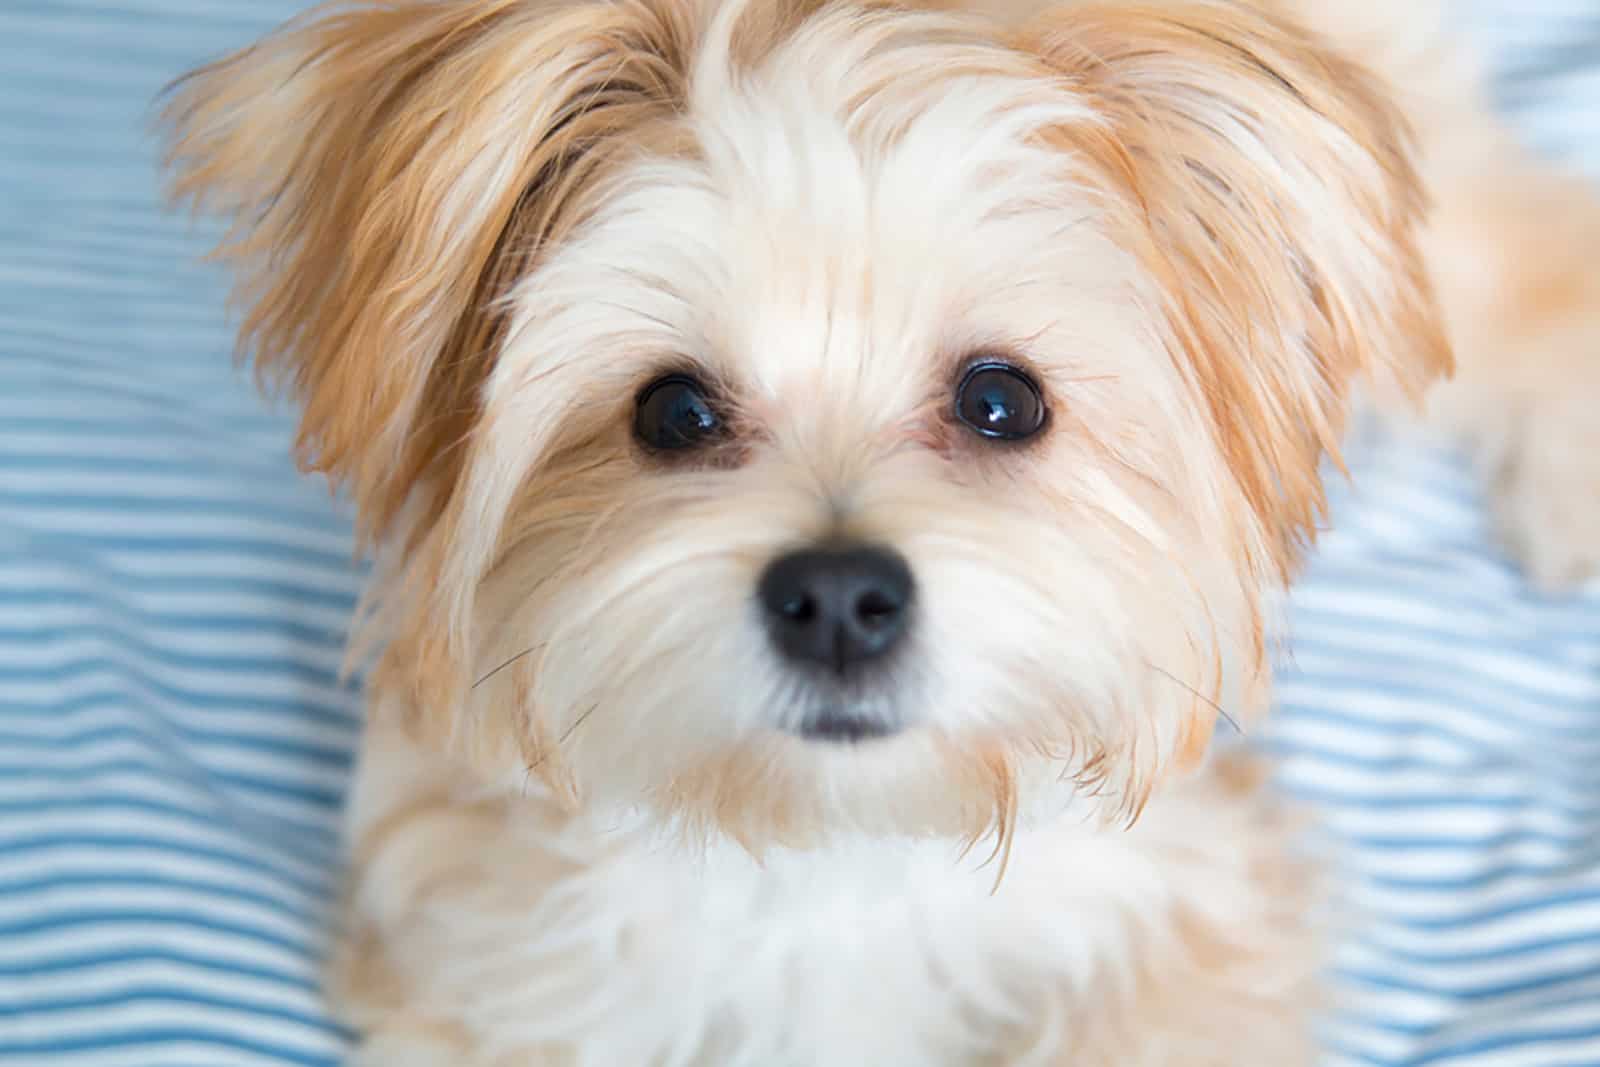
1445 721
174 740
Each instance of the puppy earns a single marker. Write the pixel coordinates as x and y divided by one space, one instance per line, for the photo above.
829 467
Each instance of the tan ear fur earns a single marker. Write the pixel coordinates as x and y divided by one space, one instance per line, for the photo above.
1278 206
389 167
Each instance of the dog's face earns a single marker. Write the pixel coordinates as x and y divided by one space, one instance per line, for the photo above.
835 417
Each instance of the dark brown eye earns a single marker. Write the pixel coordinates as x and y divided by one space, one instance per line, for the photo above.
674 414
1000 402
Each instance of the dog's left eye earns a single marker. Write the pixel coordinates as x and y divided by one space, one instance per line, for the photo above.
999 401
674 413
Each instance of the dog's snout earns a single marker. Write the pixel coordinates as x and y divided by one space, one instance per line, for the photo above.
837 608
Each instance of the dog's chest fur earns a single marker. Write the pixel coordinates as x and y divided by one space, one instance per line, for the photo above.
615 946
871 952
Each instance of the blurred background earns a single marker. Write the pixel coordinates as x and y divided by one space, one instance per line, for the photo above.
174 738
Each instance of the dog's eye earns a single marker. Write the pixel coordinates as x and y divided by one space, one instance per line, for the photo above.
674 413
1000 401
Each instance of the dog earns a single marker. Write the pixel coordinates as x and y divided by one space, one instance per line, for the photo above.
829 467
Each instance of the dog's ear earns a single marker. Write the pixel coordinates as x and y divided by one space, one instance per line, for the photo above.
388 167
1270 187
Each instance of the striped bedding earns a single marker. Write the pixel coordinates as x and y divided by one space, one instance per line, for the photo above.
174 739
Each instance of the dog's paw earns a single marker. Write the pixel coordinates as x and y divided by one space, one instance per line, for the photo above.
1545 496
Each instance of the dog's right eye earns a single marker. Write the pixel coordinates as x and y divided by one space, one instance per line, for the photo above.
674 414
1000 402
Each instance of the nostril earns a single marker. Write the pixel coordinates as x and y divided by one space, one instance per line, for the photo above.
876 608
800 608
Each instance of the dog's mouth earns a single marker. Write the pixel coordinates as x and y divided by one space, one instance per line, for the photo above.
847 724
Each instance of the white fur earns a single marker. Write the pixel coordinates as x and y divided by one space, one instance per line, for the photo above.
871 951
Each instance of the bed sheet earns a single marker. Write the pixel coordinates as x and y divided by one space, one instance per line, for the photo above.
175 740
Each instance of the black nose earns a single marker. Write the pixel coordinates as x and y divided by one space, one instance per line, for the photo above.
837 607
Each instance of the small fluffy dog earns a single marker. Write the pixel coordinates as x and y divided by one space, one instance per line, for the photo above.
831 463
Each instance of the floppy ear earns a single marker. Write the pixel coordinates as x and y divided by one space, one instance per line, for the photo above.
389 167
1275 201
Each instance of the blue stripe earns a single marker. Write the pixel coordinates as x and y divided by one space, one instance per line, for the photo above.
197 886
156 545
306 836
281 586
338 758
18 844
138 917
131 649
155 1037
1448 961
181 696
1519 1038
304 793
1329 797
178 995
129 961
1553 979
1493 841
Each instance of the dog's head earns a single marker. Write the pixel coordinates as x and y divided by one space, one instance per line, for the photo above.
795 416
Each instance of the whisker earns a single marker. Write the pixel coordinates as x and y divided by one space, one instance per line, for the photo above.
524 654
565 735
1218 708
579 721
